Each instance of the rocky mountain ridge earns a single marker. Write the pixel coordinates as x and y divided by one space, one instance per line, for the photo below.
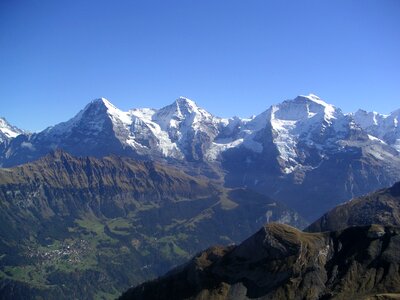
280 262
352 252
379 207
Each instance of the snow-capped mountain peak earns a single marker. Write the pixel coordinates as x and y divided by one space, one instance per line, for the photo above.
315 98
94 119
99 105
311 105
302 109
115 114
186 103
8 131
184 106
181 110
305 120
102 101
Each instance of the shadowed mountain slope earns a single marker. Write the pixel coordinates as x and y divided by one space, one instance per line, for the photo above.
280 262
380 207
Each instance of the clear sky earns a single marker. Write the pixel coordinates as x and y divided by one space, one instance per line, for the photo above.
231 57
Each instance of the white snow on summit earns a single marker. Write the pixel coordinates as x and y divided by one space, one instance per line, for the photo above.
7 131
116 114
182 110
304 118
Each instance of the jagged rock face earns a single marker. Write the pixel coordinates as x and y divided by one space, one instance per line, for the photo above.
86 227
96 131
293 150
191 128
380 207
279 262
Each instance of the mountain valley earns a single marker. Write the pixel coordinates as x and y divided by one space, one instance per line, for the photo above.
70 224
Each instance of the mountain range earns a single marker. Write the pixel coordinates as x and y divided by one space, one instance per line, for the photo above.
184 131
303 152
111 198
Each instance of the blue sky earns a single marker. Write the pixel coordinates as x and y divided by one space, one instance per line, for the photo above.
231 57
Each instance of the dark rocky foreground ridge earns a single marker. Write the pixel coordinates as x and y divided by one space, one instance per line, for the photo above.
87 228
281 262
380 207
